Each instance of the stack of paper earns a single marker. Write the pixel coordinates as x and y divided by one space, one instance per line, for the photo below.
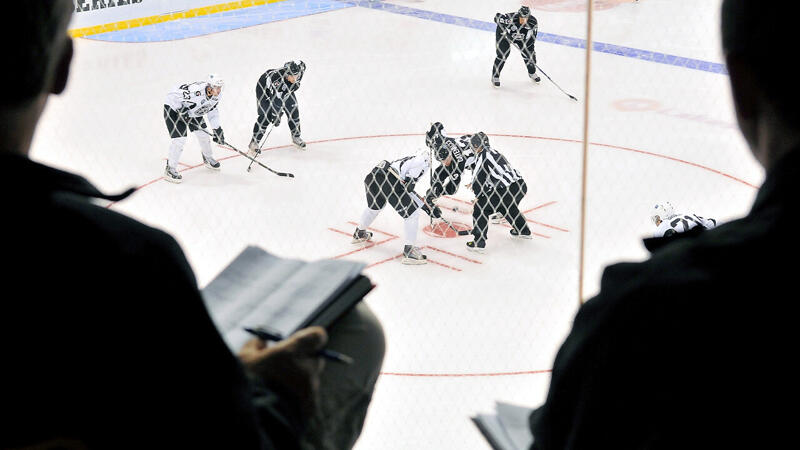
508 428
258 289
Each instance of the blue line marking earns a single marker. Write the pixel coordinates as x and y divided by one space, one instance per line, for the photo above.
224 21
628 52
290 9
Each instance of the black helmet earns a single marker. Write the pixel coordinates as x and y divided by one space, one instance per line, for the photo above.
291 68
434 139
479 140
524 11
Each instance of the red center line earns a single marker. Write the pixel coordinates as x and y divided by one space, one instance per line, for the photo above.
487 374
375 229
453 254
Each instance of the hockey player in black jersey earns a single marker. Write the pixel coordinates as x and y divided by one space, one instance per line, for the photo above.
455 156
393 183
498 187
275 94
519 28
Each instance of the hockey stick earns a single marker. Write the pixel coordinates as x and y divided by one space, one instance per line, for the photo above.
280 174
430 177
441 218
556 85
263 141
252 160
537 66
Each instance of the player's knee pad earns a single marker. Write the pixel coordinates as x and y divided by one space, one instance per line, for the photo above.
177 143
204 139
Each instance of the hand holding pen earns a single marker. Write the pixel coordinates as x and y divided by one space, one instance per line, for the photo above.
291 367
266 335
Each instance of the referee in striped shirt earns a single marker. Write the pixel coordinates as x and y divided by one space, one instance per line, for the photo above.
498 188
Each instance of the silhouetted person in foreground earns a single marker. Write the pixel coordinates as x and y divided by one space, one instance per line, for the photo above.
106 342
694 347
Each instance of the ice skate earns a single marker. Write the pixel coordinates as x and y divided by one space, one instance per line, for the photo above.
298 141
412 255
473 247
361 236
253 150
210 162
496 218
172 175
517 235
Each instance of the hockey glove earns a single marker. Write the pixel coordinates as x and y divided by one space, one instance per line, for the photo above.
219 136
436 213
277 120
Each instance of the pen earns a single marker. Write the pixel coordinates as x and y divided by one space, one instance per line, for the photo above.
265 335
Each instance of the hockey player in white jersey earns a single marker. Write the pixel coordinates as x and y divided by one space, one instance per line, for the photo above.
668 223
184 109
393 182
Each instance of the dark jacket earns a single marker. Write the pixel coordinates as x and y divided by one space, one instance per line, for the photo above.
693 348
105 337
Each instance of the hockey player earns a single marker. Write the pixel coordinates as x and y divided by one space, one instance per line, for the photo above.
519 28
274 96
668 223
455 156
184 109
498 188
393 182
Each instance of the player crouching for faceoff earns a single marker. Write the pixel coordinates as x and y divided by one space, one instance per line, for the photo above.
668 223
498 187
184 109
394 182
519 28
455 156
274 96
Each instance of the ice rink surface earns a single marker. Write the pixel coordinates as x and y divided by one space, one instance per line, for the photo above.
466 329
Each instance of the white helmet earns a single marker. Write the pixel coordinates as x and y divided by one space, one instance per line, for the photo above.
425 154
215 80
662 211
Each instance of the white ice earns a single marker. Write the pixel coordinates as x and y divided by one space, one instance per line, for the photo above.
466 329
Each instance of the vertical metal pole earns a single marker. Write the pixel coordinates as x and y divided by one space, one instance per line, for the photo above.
587 97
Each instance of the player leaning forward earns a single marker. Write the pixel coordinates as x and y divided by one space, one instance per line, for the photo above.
498 188
519 28
454 156
393 182
184 109
275 94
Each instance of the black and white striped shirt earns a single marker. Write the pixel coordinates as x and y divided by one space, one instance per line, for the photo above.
492 170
